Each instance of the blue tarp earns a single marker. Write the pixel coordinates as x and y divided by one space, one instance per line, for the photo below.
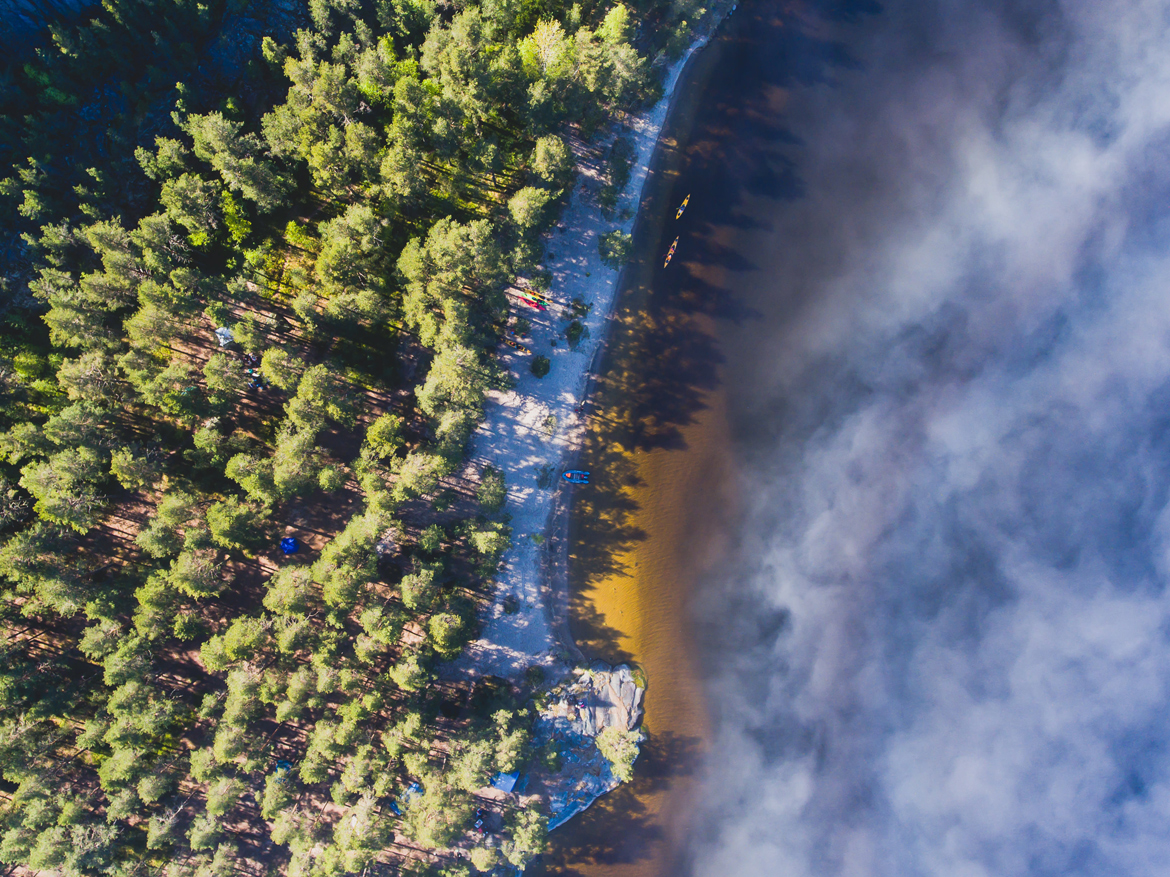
412 791
290 545
282 771
505 782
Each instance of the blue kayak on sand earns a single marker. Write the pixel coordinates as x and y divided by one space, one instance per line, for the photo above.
576 476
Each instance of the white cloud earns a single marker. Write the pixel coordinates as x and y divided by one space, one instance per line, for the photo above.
964 511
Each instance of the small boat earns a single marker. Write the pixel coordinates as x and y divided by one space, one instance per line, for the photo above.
516 345
670 253
530 298
682 207
576 476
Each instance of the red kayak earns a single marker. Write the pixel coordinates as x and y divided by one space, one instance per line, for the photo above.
532 303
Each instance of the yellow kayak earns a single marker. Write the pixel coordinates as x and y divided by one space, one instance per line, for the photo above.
670 253
682 207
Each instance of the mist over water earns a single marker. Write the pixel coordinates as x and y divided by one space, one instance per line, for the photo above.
941 647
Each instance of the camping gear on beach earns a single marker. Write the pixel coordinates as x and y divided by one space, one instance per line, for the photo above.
670 253
576 476
290 545
682 207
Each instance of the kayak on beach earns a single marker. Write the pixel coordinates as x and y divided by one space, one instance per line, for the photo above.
670 253
682 207
576 476
532 302
516 345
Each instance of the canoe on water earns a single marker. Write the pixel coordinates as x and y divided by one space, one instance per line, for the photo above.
682 207
576 476
670 253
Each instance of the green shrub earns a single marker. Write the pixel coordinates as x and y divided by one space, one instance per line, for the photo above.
615 248
620 748
492 491
575 333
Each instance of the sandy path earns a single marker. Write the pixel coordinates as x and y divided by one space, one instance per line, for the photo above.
535 426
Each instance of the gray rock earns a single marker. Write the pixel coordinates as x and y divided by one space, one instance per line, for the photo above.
628 689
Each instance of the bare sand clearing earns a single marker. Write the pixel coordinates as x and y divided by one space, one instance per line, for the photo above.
532 431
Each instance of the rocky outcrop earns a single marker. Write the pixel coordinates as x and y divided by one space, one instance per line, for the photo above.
594 699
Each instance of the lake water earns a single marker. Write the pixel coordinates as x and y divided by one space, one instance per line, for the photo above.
658 516
882 458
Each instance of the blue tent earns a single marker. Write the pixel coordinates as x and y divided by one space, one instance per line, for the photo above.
290 545
282 770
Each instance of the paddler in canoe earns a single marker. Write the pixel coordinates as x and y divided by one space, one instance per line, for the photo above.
670 253
682 207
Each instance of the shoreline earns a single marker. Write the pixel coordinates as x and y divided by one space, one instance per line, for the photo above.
534 430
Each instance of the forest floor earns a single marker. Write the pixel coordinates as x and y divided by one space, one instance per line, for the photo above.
534 431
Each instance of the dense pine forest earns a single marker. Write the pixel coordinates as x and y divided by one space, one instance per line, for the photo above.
347 189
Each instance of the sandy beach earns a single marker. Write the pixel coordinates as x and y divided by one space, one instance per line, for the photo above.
533 431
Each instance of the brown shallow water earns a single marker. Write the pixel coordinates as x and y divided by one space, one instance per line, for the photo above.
651 523
634 607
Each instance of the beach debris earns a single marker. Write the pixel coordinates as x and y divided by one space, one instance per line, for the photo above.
576 476
682 207
670 253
